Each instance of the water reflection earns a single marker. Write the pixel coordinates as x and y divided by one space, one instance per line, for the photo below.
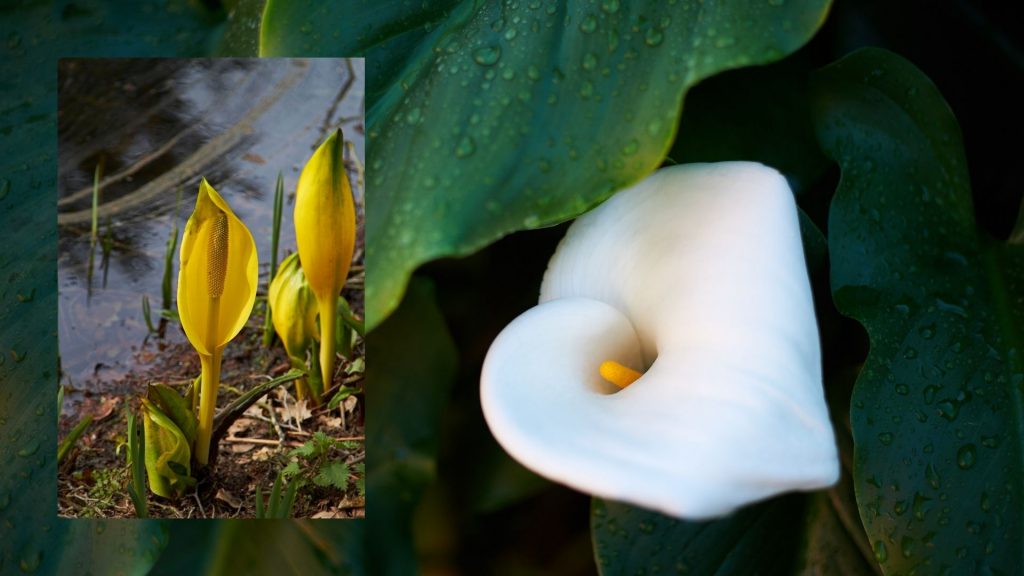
158 126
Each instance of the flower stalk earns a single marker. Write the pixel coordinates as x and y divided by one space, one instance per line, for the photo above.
325 226
216 292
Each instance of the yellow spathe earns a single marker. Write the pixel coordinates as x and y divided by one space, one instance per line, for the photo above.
325 232
216 292
201 267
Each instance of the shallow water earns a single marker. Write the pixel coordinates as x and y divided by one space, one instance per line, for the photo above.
158 126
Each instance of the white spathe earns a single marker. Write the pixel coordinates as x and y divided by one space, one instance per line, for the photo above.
697 275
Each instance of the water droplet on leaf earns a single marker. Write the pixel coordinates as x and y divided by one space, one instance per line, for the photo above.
881 553
465 147
487 56
653 37
965 457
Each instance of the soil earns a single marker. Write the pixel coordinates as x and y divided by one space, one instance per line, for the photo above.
93 478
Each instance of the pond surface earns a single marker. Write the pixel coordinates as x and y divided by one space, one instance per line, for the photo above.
157 127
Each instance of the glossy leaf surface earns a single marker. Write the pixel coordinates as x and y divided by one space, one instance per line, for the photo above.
487 118
36 34
752 540
937 410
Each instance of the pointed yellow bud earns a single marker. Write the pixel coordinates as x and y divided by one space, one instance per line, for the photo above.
295 308
325 231
216 292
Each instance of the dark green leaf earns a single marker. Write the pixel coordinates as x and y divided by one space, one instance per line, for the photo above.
412 371
493 117
758 539
262 548
937 410
35 35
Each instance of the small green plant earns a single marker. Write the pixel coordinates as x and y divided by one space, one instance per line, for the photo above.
314 462
279 505
105 492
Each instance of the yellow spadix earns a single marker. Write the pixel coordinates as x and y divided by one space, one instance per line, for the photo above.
216 292
325 231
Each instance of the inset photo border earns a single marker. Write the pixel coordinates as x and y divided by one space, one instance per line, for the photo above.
210 217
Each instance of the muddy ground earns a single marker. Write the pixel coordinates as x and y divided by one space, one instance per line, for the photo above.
93 478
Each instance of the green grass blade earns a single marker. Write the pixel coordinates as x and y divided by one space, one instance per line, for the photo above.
289 499
60 400
146 314
137 467
275 496
72 438
275 236
259 503
95 204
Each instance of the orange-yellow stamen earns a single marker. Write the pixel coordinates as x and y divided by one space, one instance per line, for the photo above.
618 374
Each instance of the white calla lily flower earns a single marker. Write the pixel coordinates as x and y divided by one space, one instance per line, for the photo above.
694 281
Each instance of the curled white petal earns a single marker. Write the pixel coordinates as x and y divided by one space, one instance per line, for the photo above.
696 274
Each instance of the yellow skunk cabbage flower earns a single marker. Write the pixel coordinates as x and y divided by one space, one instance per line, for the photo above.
216 291
294 317
325 231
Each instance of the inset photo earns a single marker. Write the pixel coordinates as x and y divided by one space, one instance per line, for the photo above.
210 271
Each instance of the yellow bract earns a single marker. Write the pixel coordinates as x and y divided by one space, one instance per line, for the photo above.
325 231
216 291
295 308
218 270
